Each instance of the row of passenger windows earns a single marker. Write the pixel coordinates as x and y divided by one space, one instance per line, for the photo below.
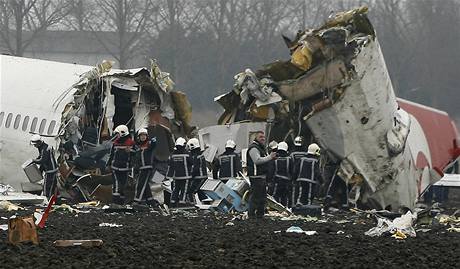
25 123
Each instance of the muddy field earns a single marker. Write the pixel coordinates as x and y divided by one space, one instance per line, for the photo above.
206 240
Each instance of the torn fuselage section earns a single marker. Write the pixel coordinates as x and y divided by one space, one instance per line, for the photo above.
104 99
335 90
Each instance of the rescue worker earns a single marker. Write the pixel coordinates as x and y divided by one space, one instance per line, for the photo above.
199 170
308 176
298 152
120 162
282 169
179 170
145 164
47 163
257 164
272 147
228 164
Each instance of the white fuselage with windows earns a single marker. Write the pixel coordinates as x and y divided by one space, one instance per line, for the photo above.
28 91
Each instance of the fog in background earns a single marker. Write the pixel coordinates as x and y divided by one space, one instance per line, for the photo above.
204 43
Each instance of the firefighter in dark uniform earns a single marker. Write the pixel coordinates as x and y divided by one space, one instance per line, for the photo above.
120 162
199 170
145 165
48 165
298 152
180 171
228 164
308 176
272 147
281 172
257 164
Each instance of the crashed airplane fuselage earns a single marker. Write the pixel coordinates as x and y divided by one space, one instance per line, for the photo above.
75 108
28 88
336 91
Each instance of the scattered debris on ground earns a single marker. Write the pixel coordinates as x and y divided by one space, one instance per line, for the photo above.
78 243
246 243
8 206
110 225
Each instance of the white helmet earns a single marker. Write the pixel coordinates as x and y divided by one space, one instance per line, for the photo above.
314 149
193 143
35 139
122 130
298 141
142 131
283 146
181 142
230 144
273 145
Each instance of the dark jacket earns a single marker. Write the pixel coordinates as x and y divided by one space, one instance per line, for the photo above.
46 159
296 155
199 167
121 153
180 165
145 154
308 169
227 165
282 167
259 170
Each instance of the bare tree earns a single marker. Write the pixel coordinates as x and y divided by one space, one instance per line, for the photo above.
22 21
175 20
121 26
226 21
308 13
82 13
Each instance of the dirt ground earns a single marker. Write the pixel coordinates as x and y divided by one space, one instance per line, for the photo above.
205 240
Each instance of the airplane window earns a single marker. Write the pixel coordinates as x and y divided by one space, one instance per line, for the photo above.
33 125
42 126
51 127
25 123
8 120
17 120
1 117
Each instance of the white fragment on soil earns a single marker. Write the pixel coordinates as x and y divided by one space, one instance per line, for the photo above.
104 224
295 229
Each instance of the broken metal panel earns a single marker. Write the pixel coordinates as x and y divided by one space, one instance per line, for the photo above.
280 71
322 77
358 129
183 109
9 194
241 133
397 135
360 109
228 101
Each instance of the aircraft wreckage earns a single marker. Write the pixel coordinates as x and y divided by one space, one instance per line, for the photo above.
88 112
335 90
